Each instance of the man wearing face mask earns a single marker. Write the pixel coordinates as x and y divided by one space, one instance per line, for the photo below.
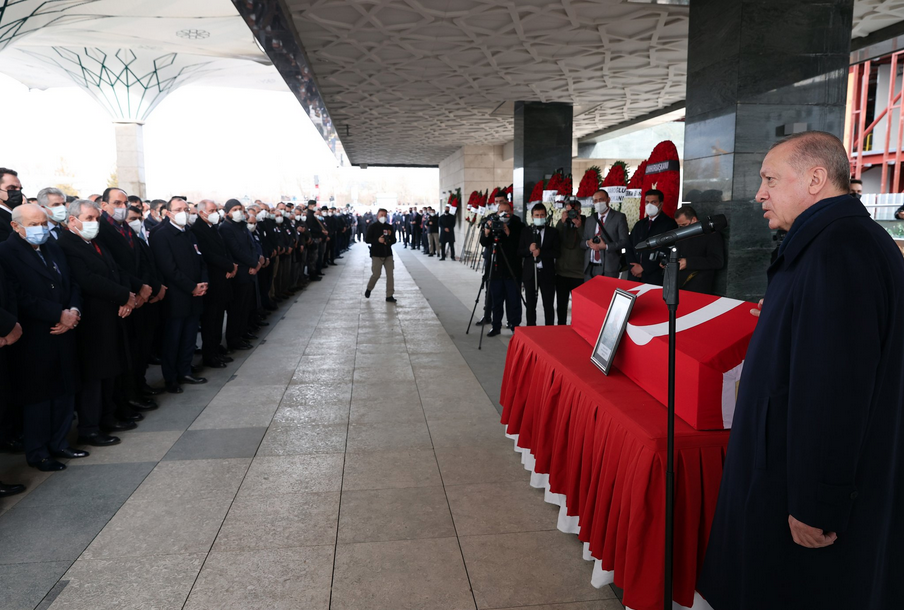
504 289
447 233
181 264
220 271
43 362
605 236
240 244
381 236
53 201
155 215
539 247
10 198
570 264
107 299
645 266
119 238
433 231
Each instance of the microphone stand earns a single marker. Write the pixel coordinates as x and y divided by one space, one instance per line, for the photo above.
670 296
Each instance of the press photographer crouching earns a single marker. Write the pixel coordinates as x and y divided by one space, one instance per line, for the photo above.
381 236
539 247
501 235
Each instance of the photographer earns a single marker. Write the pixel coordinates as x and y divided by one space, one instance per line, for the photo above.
605 236
699 257
645 266
504 230
381 236
539 247
570 263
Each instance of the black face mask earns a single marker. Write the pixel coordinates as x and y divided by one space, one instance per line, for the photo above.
857 195
15 199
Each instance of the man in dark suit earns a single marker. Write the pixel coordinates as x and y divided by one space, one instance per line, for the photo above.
240 245
646 266
416 220
504 289
699 257
447 233
101 339
539 248
181 264
812 493
118 237
44 362
605 236
220 271
10 197
10 333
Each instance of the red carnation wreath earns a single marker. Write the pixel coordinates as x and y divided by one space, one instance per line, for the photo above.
555 183
618 175
636 181
591 182
663 173
567 187
536 195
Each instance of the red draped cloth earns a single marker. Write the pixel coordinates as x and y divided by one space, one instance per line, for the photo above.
602 442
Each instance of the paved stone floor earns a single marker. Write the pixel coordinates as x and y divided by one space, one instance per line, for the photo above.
353 460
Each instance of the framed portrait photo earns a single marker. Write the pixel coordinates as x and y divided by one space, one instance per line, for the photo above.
612 330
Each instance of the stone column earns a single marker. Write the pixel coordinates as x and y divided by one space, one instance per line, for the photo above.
130 158
752 79
543 144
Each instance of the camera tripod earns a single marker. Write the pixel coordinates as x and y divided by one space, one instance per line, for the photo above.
485 283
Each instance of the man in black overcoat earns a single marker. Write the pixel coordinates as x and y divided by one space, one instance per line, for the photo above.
43 362
447 233
10 333
811 507
238 242
101 340
220 271
181 264
645 266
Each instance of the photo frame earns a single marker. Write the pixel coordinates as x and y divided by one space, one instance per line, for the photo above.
612 330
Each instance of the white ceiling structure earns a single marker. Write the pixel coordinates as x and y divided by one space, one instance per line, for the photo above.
410 81
129 54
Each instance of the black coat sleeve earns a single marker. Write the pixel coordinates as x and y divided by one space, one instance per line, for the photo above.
240 253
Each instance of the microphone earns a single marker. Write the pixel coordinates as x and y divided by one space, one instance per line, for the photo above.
712 223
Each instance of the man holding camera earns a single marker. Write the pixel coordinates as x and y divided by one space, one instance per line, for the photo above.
503 230
570 263
605 235
646 266
539 247
381 236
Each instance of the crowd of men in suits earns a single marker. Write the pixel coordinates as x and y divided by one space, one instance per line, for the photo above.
550 261
95 291
420 229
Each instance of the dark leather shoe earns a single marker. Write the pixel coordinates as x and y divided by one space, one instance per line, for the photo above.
225 359
98 439
191 380
367 294
48 465
480 322
120 426
262 323
494 333
151 391
12 446
316 278
390 299
131 417
70 454
195 369
143 404
214 364
10 489
249 337
242 346
174 388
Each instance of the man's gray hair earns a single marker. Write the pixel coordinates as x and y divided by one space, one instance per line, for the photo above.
19 211
43 195
75 208
822 149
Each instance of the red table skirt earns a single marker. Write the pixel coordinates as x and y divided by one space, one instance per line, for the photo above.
598 445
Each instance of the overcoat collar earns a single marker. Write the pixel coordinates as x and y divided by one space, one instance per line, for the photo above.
812 222
30 256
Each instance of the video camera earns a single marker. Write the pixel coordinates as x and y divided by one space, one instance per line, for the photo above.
496 225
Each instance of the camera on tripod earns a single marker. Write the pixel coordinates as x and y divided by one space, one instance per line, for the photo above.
496 226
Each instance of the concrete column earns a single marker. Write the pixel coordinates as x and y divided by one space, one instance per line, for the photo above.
752 79
130 158
543 143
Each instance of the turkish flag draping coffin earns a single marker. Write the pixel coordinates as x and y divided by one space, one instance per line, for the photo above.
712 340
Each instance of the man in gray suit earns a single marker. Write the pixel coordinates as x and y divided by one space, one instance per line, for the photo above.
605 235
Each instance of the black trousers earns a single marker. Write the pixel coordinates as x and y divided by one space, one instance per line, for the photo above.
237 312
47 425
548 291
416 241
179 336
95 404
451 245
505 293
265 283
212 324
147 321
564 286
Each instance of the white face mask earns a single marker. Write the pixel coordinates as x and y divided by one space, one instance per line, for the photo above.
89 230
602 207
252 226
192 218
181 218
214 218
539 222
57 214
382 219
237 216
279 220
119 214
261 216
135 226
145 214
271 216
651 210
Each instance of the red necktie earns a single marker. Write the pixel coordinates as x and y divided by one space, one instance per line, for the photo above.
96 247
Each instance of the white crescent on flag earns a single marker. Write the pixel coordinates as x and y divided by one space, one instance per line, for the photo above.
641 335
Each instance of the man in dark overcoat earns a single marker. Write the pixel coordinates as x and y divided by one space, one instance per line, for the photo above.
811 507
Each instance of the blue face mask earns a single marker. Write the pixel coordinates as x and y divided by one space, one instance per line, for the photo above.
36 236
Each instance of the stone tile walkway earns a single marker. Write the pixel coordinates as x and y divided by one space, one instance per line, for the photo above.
352 461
